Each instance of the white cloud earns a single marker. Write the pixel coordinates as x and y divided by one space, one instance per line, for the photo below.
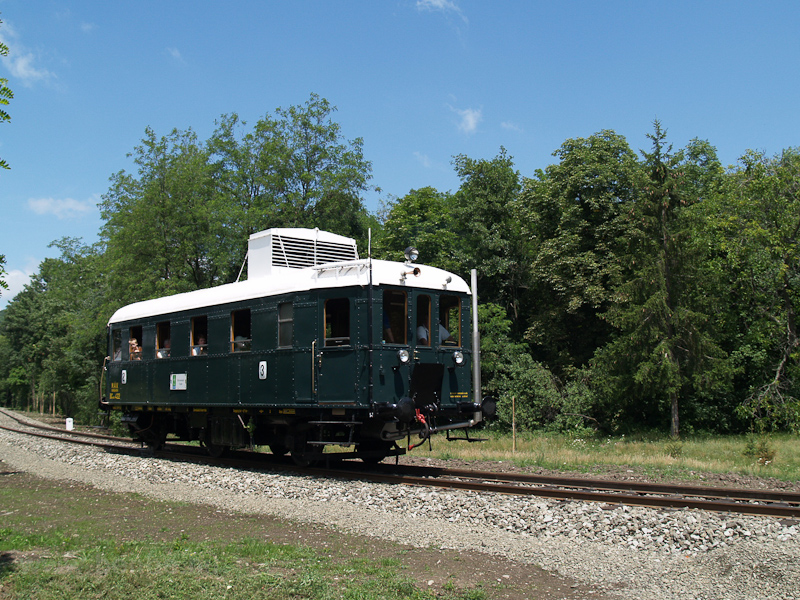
62 209
423 159
87 27
16 280
21 62
508 125
176 55
444 6
470 118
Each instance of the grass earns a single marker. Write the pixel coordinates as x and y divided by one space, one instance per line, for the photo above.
59 565
64 541
775 456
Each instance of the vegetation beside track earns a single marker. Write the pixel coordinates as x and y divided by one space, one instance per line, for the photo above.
66 541
775 456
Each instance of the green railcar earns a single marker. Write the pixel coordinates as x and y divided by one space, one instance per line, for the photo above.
316 348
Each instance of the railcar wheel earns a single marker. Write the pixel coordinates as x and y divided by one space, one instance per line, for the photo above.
305 458
215 450
278 449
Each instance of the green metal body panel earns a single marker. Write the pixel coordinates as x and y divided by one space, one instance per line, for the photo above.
309 373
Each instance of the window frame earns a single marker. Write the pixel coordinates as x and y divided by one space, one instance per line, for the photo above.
389 317
197 332
245 343
163 341
444 309
334 341
285 325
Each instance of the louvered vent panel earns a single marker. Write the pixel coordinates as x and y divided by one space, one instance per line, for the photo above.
299 253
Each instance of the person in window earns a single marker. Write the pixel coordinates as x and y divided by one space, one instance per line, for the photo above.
163 352
444 335
134 350
199 348
423 335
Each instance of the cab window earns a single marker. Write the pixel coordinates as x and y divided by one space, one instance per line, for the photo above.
240 330
449 321
337 322
395 321
423 330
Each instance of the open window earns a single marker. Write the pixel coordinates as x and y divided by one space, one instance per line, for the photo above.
135 343
423 329
337 322
199 341
285 324
163 341
240 330
449 321
395 320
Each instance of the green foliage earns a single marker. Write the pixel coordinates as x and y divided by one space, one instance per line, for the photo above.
5 95
760 448
3 284
423 219
576 214
664 347
618 292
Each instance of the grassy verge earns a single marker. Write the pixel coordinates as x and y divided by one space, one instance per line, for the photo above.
73 566
73 542
775 456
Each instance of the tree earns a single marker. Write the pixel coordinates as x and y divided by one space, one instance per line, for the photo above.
293 169
160 227
757 223
5 95
576 215
423 219
487 231
663 347
3 283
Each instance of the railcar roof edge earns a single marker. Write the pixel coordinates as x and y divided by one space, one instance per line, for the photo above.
284 280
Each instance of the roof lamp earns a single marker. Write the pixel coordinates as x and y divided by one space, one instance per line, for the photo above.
412 254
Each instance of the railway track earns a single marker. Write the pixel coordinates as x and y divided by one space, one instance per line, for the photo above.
612 493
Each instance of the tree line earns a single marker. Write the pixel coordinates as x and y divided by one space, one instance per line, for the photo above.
619 290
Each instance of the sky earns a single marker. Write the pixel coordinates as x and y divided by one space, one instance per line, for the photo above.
420 81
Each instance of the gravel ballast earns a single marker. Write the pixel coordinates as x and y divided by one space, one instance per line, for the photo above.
631 552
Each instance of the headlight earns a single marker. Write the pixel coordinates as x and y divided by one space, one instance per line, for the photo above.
458 358
411 253
403 356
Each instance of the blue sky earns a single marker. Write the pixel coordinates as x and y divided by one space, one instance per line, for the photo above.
419 80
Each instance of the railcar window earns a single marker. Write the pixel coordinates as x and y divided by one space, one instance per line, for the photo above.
337 322
199 341
116 343
163 342
134 343
423 320
395 320
449 321
285 324
240 330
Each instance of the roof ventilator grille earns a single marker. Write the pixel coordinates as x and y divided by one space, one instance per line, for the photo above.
297 253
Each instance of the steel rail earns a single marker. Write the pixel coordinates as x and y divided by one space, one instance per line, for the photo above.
602 484
503 483
60 430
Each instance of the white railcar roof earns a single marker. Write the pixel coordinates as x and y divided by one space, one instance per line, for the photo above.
288 280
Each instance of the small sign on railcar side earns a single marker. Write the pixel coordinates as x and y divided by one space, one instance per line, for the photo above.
177 381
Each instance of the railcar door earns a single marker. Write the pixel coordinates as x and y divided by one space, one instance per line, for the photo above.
336 366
